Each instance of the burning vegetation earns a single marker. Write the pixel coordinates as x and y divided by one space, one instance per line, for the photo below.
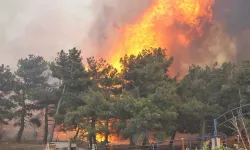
135 95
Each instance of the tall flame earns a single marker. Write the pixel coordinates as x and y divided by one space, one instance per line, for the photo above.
155 27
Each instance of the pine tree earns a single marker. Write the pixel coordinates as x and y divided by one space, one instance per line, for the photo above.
29 75
69 69
6 87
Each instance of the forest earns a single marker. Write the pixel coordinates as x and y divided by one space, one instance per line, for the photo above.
92 97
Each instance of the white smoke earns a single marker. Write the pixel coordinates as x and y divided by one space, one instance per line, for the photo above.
45 27
42 27
218 46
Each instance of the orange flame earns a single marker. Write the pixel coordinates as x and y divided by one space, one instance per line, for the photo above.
155 27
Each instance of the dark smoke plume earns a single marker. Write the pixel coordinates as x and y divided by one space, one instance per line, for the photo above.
225 39
234 15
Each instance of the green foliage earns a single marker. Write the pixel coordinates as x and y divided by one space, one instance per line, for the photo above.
148 104
6 86
241 83
139 101
29 76
145 72
69 69
95 104
200 92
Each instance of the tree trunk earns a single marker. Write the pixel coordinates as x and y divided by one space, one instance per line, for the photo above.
202 130
145 140
107 131
90 141
131 142
22 119
22 124
171 142
57 112
46 124
203 127
93 122
1 132
77 132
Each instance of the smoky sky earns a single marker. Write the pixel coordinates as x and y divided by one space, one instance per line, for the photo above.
42 27
109 17
234 15
226 38
45 27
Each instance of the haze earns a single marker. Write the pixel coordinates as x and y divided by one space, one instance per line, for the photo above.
44 27
41 27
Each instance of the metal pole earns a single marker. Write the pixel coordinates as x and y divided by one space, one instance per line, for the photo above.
190 144
183 146
215 132
226 140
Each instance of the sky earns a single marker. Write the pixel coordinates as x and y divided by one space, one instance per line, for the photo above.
42 27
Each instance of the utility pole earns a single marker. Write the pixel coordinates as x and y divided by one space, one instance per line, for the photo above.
215 132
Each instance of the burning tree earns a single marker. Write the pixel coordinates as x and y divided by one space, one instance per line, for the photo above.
143 85
96 101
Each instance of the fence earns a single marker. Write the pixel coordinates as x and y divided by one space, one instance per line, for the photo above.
177 144
8 148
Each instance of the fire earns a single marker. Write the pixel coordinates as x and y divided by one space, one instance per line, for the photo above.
112 139
166 23
159 27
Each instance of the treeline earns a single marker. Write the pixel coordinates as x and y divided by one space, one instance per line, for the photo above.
141 99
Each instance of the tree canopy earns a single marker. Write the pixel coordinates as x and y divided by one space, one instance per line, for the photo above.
139 103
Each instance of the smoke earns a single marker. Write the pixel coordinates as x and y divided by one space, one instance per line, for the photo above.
45 27
109 16
234 16
42 27
226 38
218 46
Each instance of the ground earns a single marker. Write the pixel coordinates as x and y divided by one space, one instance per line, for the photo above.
15 146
